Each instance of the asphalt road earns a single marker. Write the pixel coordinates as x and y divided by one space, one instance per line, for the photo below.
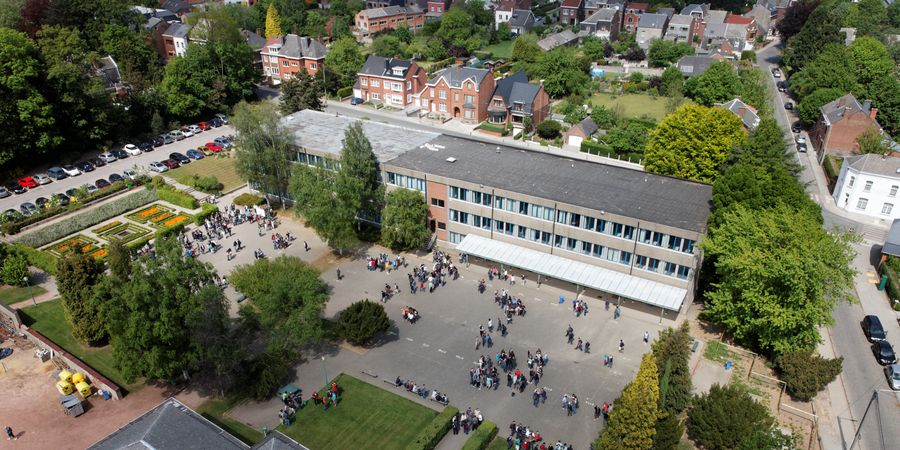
138 163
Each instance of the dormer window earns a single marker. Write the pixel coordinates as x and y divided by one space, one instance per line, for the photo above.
398 71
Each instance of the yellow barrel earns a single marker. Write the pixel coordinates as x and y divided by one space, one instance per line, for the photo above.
84 389
77 378
64 387
65 375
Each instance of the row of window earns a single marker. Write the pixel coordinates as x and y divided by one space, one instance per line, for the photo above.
377 83
572 219
314 160
886 208
414 183
442 94
870 184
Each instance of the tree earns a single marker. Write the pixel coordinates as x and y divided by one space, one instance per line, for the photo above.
809 109
669 429
632 421
563 72
287 298
635 54
389 46
893 14
11 13
549 129
362 320
273 22
672 81
780 275
525 49
718 84
806 374
693 142
458 28
138 62
596 49
871 61
603 117
119 261
15 270
328 203
663 52
263 148
715 424
345 59
359 171
820 29
403 224
299 93
753 89
628 138
872 17
672 351
209 77
402 32
872 141
830 69
76 276
767 147
794 17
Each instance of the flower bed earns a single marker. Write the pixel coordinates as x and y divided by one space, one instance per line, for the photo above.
107 227
146 214
79 241
100 253
176 220
161 217
126 233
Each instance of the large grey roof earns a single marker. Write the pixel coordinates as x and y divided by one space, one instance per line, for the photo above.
170 425
836 110
692 8
254 40
715 31
555 40
324 132
277 441
681 19
631 193
695 64
302 47
383 67
177 29
388 11
892 242
743 111
521 18
887 166
516 88
602 15
456 75
656 21
715 16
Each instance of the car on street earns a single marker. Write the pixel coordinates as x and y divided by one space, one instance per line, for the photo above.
119 153
776 72
801 148
789 106
186 131
215 122
42 178
28 208
195 129
356 101
57 173
782 86
873 329
796 127
131 149
801 139
883 352
181 159
27 182
4 192
84 166
893 376
157 167
71 171
42 202
97 162
115 178
107 157
101 183
145 146
60 199
170 163
130 174
194 154
15 188
176 135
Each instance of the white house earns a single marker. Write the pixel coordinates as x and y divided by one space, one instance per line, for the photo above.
869 185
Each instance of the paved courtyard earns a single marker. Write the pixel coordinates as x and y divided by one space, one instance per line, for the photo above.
440 349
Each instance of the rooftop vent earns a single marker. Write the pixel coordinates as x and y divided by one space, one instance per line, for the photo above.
451 159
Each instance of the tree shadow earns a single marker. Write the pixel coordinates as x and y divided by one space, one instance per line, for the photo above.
875 255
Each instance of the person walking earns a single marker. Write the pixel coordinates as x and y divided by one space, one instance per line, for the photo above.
10 436
579 345
646 337
621 346
305 246
617 313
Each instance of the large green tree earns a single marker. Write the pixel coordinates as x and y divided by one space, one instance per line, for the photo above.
693 142
359 172
564 72
76 276
11 13
263 148
328 204
403 222
672 351
718 84
362 320
722 418
459 29
346 59
779 276
821 28
663 52
301 92
137 60
632 421
809 109
805 374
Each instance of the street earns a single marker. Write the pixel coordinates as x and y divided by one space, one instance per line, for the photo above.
139 163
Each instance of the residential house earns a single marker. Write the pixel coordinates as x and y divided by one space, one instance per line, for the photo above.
839 124
584 130
681 29
592 6
284 57
693 65
571 12
565 37
632 15
521 21
503 11
178 7
763 17
603 23
460 92
371 4
436 8
107 70
742 27
175 40
650 27
370 21
669 12
389 80
155 13
743 111
256 43
515 98
869 184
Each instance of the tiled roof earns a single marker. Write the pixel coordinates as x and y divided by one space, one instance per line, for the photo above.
745 112
177 30
681 19
521 18
637 6
602 15
516 89
656 21
571 3
555 40
888 166
738 20
384 67
302 47
456 75
388 11
835 111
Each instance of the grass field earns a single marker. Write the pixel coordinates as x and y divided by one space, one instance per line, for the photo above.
49 319
632 105
500 49
366 417
219 167
15 294
214 410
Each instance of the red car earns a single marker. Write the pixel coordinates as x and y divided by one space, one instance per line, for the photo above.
170 163
28 183
213 147
204 126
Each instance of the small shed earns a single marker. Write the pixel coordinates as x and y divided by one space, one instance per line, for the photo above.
71 405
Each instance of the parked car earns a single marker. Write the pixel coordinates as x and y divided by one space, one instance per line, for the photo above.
115 178
223 118
223 142
28 208
883 352
195 129
789 106
145 146
96 162
205 150
167 138
131 149
796 127
57 173
356 101
204 126
42 178
107 157
130 174
782 86
170 163
15 188
187 132
157 167
213 147
42 202
90 188
101 183
801 148
4 192
119 153
801 139
873 329
215 122
176 135
157 141
181 159
72 194
893 376
84 166
27 182
60 199
194 154
776 72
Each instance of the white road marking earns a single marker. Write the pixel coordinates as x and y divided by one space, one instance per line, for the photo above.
409 339
442 351
425 345
459 357
392 333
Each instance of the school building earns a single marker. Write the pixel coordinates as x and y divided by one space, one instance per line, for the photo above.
614 233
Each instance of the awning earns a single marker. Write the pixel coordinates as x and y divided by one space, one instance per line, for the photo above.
582 274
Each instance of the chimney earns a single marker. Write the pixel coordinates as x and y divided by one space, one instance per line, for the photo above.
873 113
867 105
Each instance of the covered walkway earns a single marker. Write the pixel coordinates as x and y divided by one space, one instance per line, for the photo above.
581 274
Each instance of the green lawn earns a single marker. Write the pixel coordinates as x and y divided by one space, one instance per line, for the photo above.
632 105
366 417
500 50
214 410
15 294
48 319
220 167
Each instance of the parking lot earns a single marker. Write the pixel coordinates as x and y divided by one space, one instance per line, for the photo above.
139 163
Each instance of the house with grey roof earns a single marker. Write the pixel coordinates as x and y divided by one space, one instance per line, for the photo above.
747 114
277 441
284 57
681 28
580 132
563 38
604 24
650 27
389 81
515 99
840 123
107 70
459 92
868 185
592 6
693 65
175 39
521 21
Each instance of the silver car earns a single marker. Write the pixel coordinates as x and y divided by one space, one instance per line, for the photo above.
893 376
42 178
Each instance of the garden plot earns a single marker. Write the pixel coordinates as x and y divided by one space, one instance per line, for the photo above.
77 242
122 233
159 216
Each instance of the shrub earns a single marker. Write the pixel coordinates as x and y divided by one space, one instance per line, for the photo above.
14 226
345 91
176 197
596 148
206 210
805 374
248 200
37 258
482 436
361 321
90 218
549 129
893 285
210 184
712 423
429 437
15 270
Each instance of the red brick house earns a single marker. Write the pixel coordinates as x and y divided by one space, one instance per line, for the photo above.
571 12
369 21
389 80
460 92
436 8
839 124
748 24
284 57
515 98
632 15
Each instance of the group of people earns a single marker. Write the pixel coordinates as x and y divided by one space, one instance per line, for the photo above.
507 276
579 307
468 420
570 404
389 292
280 242
510 305
421 391
522 438
330 397
382 262
602 410
484 375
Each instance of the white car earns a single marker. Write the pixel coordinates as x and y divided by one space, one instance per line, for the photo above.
187 132
42 178
801 139
71 170
107 157
194 129
130 174
158 167
177 135
776 73
132 149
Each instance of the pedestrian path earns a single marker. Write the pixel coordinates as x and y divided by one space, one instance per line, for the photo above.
453 441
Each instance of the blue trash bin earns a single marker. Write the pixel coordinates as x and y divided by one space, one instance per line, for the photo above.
562 299
728 364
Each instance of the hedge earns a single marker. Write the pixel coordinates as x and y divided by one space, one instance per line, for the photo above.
37 258
482 436
15 226
893 287
345 91
429 437
596 148
206 210
248 200
74 224
176 197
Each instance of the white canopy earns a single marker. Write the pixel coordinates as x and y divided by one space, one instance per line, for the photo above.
585 275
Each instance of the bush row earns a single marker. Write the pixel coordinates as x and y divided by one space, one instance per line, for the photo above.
37 258
14 226
429 437
345 91
90 218
206 210
176 197
482 437
893 285
596 148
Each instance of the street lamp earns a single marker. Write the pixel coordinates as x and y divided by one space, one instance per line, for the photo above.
325 373
28 285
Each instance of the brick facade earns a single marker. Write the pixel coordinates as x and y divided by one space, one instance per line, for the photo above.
390 87
369 21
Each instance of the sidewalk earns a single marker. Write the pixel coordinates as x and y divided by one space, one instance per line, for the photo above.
47 282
